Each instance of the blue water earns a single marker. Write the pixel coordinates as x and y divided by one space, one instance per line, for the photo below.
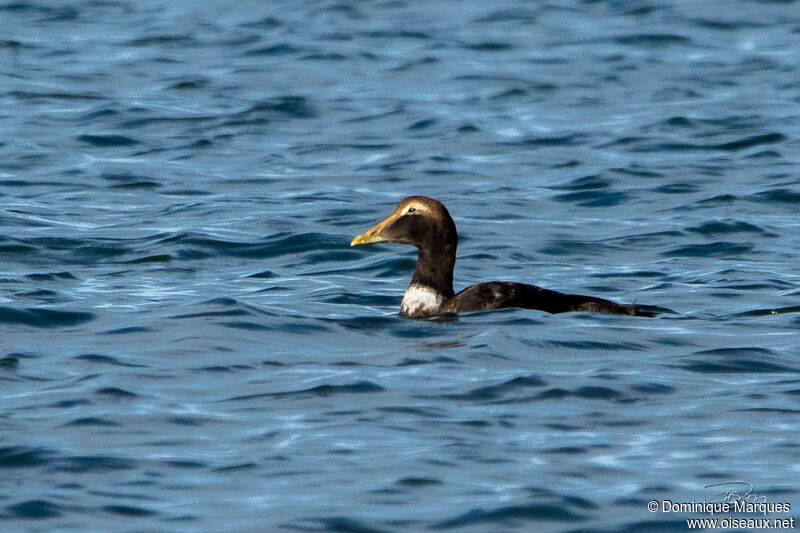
188 343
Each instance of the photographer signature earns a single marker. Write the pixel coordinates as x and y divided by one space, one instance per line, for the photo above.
733 494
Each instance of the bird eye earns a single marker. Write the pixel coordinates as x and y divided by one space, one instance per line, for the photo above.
411 209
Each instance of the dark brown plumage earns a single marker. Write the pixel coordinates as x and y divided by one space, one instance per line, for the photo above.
425 223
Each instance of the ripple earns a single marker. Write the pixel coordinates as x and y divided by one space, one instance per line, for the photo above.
588 393
518 14
163 39
551 141
343 524
594 198
744 360
265 23
418 481
53 276
719 227
44 318
92 463
23 457
274 50
771 311
360 387
128 510
494 392
782 196
92 421
395 34
361 299
105 360
162 258
714 249
54 95
127 330
108 141
9 363
652 39
510 516
36 509
585 183
192 245
115 392
297 107
489 46
732 146
653 388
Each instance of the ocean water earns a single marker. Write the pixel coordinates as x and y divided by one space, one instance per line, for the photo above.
188 343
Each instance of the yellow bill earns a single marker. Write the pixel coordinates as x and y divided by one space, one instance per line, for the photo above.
373 235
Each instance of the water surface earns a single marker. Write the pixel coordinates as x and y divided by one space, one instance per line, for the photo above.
188 343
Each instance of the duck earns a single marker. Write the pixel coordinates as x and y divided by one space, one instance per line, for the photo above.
426 224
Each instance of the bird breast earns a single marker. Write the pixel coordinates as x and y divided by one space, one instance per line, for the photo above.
420 300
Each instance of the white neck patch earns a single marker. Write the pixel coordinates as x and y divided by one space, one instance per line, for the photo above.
420 300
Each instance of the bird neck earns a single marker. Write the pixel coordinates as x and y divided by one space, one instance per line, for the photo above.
435 269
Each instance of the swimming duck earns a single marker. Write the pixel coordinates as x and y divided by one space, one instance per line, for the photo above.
425 223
